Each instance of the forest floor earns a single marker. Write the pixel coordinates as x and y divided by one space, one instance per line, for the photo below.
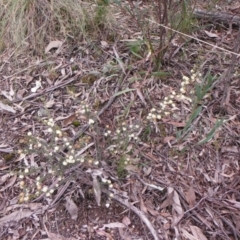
162 187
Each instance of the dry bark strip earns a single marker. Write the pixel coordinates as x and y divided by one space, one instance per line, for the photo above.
222 17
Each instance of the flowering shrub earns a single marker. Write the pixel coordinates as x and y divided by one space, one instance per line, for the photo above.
57 154
186 93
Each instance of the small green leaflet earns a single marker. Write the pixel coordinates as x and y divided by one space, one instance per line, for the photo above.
209 136
124 91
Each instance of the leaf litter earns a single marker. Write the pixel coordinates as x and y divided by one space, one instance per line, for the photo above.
183 190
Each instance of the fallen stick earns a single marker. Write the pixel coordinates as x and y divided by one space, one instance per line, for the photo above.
139 213
221 17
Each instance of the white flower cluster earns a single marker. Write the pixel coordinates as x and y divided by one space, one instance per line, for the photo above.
168 105
86 111
131 132
59 152
110 185
84 108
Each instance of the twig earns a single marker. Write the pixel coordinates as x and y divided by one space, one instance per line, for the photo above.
150 185
189 210
60 85
140 214
197 39
110 101
29 67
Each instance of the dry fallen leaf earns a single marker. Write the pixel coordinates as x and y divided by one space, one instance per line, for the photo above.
168 138
4 178
53 44
9 183
142 205
54 236
20 93
97 189
124 234
113 225
7 95
175 124
211 35
197 232
168 201
105 234
191 197
126 221
104 44
176 202
187 235
15 216
68 120
71 208
5 107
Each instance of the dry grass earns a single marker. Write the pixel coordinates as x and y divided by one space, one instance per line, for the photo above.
31 25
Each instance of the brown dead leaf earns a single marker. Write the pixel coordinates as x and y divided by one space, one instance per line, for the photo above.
71 208
50 103
113 225
211 35
168 138
230 149
197 232
139 93
69 120
20 93
28 79
147 170
133 168
176 201
9 183
187 235
126 221
7 108
54 236
168 201
233 203
142 205
3 202
124 234
104 44
15 216
151 210
7 95
191 197
52 45
105 234
4 178
97 189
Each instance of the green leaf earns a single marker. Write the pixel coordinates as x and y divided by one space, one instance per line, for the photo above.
123 91
210 135
137 55
191 118
198 92
161 74
196 113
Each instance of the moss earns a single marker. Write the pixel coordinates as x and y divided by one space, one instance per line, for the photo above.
76 123
8 157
